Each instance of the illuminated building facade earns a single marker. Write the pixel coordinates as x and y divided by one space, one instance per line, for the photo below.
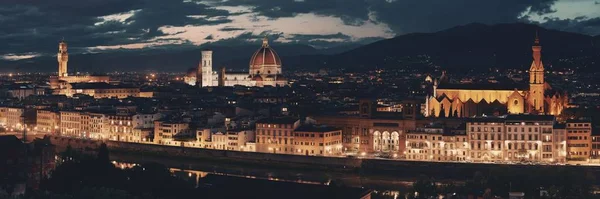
371 131
466 100
47 121
317 141
435 143
595 154
100 90
275 135
63 78
12 118
70 123
164 131
579 139
264 70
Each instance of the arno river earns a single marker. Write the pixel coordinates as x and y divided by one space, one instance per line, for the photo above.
195 170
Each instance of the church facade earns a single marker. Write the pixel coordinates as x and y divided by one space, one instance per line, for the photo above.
467 100
264 70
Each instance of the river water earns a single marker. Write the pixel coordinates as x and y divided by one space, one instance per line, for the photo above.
194 171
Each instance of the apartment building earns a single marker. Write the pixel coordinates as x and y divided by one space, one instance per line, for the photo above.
560 142
48 121
486 138
529 137
12 118
579 139
317 140
233 140
435 143
70 123
275 135
595 153
165 131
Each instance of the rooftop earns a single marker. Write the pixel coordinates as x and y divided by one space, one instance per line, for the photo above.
530 117
99 85
581 120
485 86
316 128
281 120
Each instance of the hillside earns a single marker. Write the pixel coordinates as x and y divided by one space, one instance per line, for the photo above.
477 46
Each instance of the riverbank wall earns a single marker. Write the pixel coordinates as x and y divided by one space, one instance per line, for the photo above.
363 167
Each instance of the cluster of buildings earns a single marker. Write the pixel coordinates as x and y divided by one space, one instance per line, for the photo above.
470 99
321 114
372 133
503 138
264 70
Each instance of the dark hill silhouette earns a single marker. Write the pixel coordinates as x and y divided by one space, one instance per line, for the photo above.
477 46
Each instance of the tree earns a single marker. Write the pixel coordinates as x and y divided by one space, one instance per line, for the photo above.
103 155
425 187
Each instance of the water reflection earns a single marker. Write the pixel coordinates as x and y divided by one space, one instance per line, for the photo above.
194 176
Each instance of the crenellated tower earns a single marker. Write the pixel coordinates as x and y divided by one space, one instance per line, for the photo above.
536 79
63 58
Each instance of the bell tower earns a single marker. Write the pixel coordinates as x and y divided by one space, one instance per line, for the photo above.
536 78
63 58
204 74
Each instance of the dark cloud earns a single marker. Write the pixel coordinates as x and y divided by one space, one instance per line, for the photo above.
406 16
403 16
353 12
37 25
580 25
228 28
307 37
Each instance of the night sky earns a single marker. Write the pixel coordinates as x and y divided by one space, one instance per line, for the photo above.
31 28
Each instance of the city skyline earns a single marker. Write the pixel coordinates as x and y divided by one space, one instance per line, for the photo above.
329 99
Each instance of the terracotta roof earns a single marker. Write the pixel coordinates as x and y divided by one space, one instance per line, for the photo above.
283 120
265 56
485 86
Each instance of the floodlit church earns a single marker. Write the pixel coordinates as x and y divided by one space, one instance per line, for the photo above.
264 70
466 100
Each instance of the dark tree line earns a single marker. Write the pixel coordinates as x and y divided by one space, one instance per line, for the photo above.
542 182
88 176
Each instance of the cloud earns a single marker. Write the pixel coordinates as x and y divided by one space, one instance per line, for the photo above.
14 57
228 28
403 16
579 24
98 25
37 25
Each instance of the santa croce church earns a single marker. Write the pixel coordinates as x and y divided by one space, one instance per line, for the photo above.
466 100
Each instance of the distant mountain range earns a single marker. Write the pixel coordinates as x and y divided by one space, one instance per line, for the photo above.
478 47
473 46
